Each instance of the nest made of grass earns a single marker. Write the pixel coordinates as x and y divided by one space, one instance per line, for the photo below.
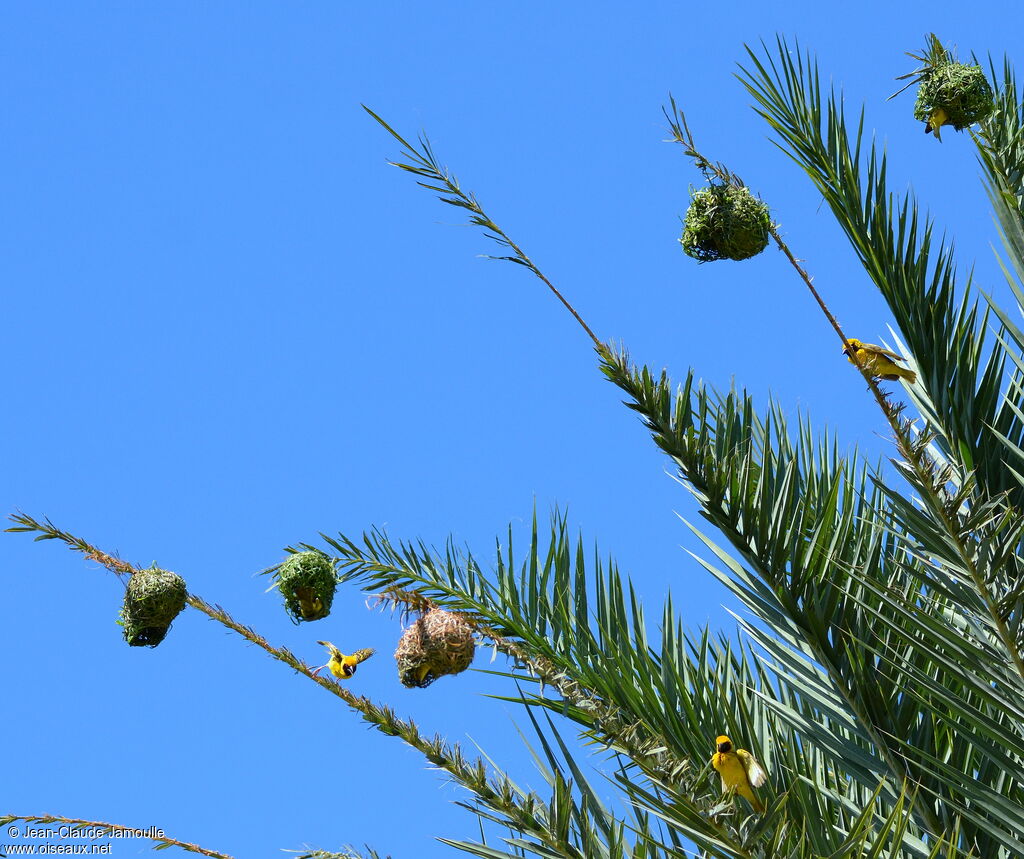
152 599
307 583
959 89
725 222
439 643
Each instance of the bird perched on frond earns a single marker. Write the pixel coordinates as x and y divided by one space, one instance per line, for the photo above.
343 666
935 122
877 361
739 770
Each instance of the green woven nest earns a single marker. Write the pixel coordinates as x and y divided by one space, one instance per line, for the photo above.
153 598
307 582
959 89
725 222
439 643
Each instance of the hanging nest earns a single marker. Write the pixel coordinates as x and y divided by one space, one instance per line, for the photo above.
439 643
307 582
960 91
948 93
153 598
725 222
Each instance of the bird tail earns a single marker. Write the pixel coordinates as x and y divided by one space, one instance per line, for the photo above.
757 805
900 373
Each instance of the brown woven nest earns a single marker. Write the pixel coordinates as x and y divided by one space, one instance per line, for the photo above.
439 643
153 598
307 582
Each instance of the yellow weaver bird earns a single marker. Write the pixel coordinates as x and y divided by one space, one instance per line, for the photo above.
343 666
310 605
877 361
935 122
739 770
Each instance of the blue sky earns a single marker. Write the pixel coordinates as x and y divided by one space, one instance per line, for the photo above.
229 325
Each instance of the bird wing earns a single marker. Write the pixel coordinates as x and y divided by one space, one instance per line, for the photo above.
755 772
878 350
359 656
335 653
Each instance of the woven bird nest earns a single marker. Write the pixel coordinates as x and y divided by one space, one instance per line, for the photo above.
439 643
725 222
307 582
153 598
958 89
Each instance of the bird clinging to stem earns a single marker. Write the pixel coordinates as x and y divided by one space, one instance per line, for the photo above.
935 122
739 770
343 666
877 361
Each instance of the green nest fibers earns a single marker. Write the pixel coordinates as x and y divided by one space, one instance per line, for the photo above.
153 598
439 643
308 583
959 89
725 222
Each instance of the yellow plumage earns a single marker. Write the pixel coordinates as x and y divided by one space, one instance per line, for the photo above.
739 770
877 361
343 666
935 122
310 607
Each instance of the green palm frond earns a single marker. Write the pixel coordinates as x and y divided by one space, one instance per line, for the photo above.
887 688
581 823
879 673
850 627
877 614
1001 142
346 853
959 373
933 55
583 633
580 631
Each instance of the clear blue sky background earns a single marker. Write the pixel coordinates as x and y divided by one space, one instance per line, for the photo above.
228 325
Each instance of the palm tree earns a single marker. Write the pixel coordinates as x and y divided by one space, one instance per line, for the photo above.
880 676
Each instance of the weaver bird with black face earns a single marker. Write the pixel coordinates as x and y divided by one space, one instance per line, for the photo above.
739 770
935 122
879 362
343 666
